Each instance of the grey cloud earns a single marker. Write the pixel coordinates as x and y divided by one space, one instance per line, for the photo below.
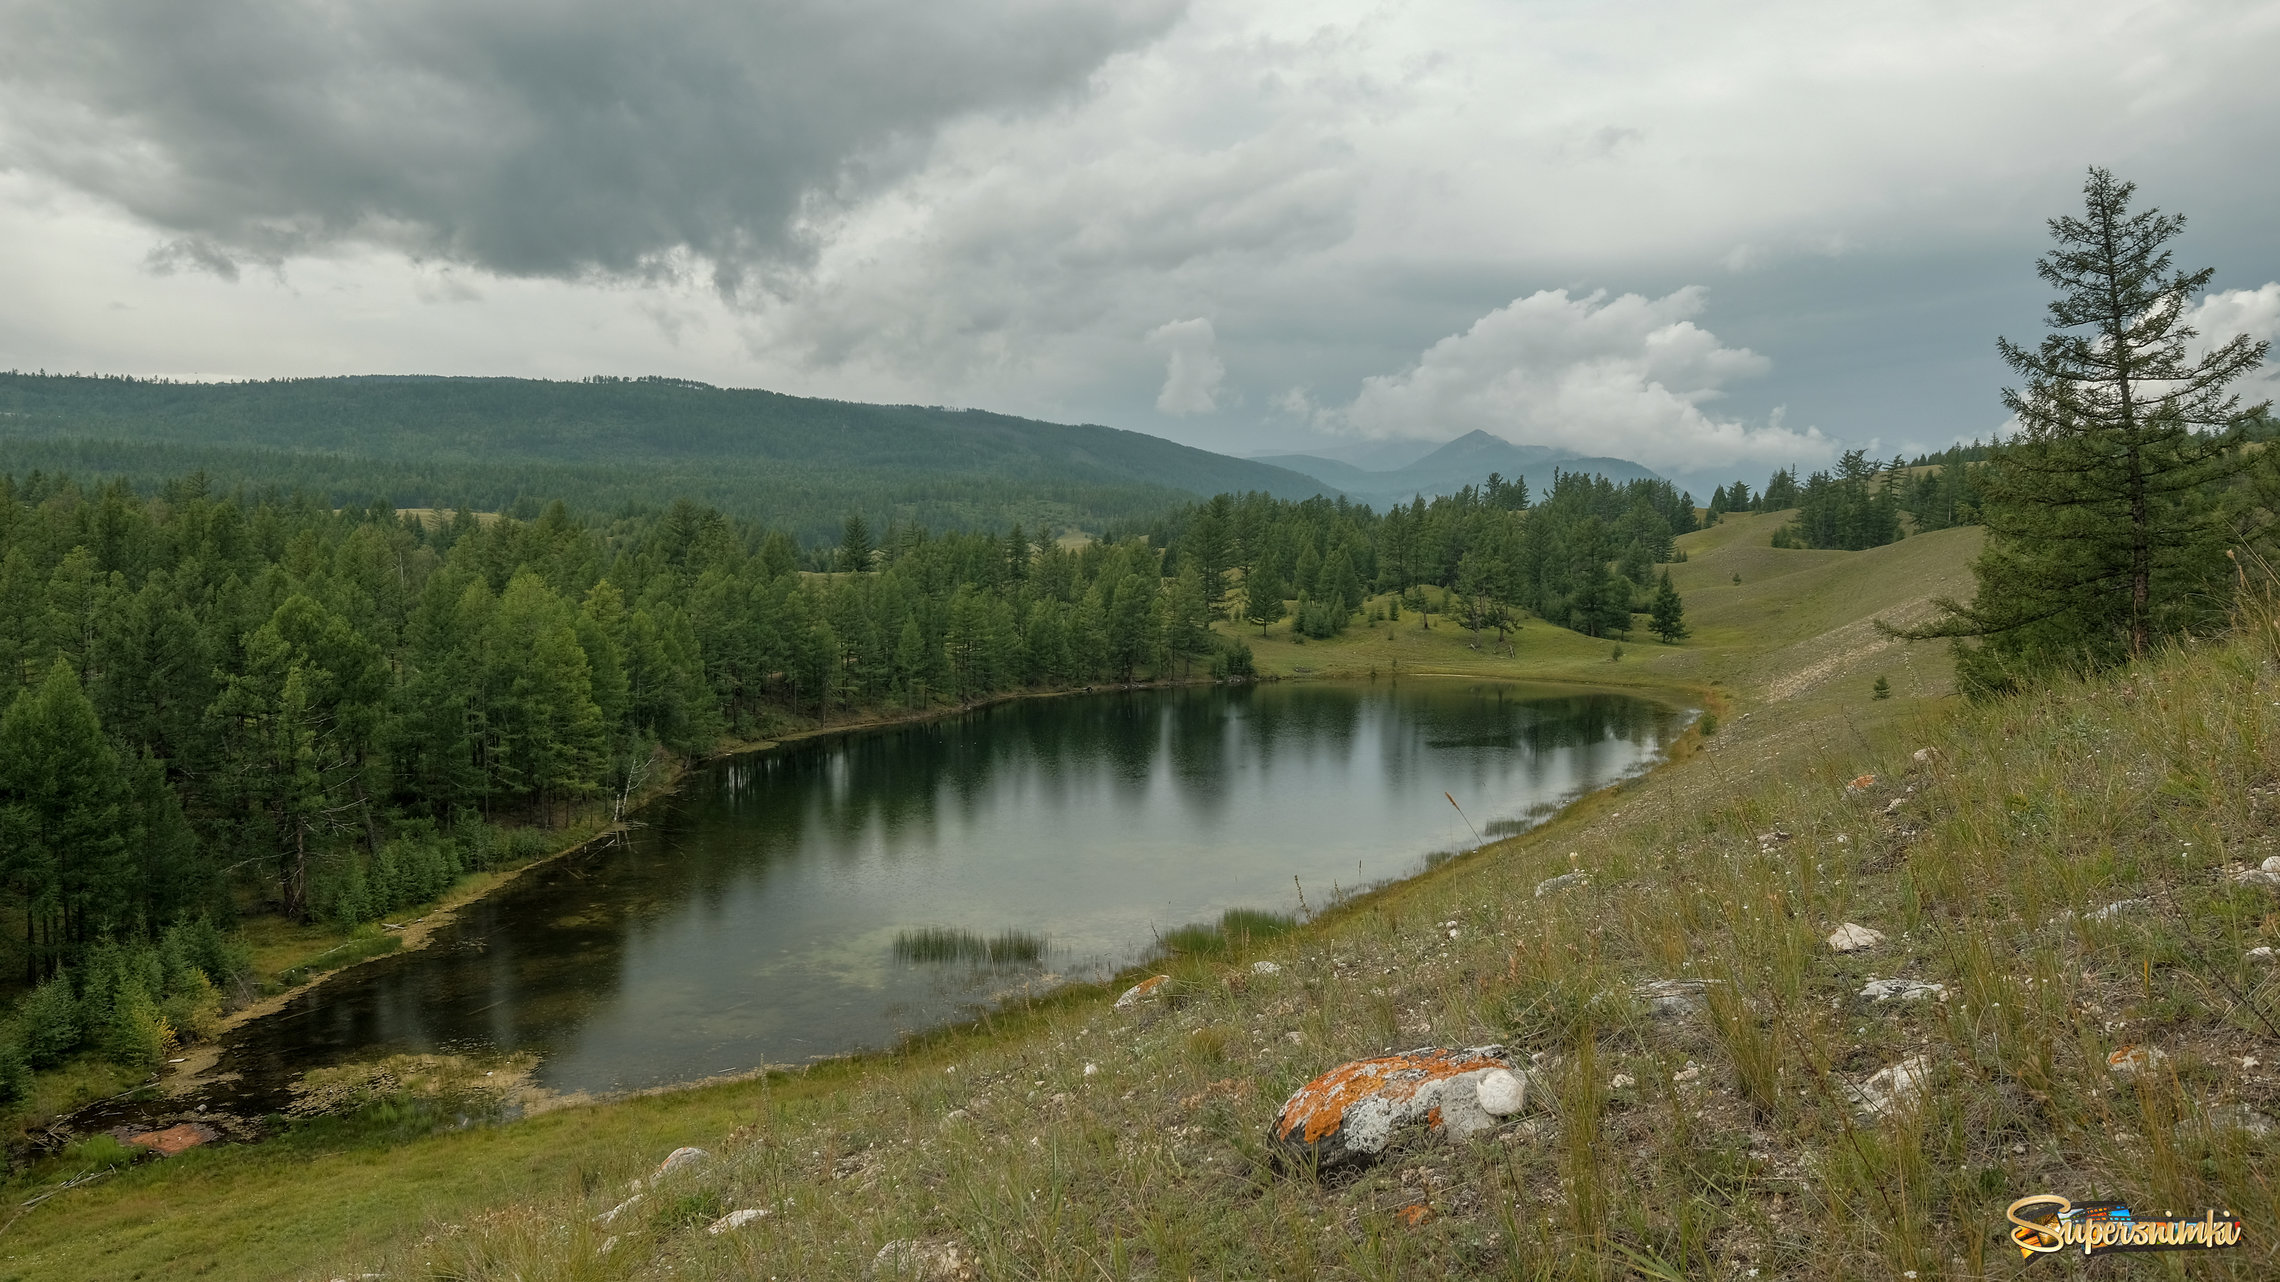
562 139
191 253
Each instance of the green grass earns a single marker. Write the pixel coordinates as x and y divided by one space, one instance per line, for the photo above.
938 944
1237 931
1981 864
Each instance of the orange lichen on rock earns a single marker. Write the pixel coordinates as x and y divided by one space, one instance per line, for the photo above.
1142 991
1414 1215
1352 1111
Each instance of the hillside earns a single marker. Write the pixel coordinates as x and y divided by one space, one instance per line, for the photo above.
1464 461
487 443
1721 1137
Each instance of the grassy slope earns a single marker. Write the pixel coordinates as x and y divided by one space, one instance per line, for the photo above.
1150 1167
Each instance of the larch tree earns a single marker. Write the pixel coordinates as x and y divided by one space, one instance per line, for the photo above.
2110 509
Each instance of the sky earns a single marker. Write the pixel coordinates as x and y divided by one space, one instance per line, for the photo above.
1714 238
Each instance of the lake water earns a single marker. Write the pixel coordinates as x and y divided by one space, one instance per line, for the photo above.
752 918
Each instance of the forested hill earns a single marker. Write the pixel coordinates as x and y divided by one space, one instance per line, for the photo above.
489 443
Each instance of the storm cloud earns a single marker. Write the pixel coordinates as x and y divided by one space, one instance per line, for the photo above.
562 139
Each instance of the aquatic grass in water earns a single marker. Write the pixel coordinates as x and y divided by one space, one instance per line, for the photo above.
1238 928
941 944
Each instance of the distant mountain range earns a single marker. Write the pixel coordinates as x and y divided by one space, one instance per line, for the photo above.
1464 461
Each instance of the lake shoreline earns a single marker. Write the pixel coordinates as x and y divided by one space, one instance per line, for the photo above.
195 1073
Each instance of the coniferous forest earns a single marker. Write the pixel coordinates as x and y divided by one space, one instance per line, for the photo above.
217 703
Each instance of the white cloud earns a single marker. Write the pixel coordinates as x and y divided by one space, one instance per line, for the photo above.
1192 370
1628 376
2254 312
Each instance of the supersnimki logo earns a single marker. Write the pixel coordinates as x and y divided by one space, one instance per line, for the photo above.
2047 1224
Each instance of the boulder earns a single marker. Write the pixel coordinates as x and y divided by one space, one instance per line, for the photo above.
2238 1117
734 1220
1891 1089
680 1159
912 1260
175 1139
1353 1113
1905 990
1853 937
1142 991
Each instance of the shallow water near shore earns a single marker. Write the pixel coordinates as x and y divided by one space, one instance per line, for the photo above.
751 919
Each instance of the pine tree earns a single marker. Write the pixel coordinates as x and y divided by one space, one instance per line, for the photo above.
1187 617
1667 618
61 848
855 546
2104 512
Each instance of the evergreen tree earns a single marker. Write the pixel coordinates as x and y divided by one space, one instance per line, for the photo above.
1667 617
62 850
2105 511
1187 617
855 546
1263 595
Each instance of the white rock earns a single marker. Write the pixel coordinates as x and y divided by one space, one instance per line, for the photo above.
1925 756
1621 1082
923 1261
1552 885
1906 990
1692 1072
2271 863
2262 952
1092 1070
1265 968
1501 1093
1853 937
734 1220
680 1159
2239 1117
609 1244
609 1217
1894 1088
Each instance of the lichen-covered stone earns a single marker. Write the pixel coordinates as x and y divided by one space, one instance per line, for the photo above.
680 1159
1906 990
1142 991
1669 998
1352 1113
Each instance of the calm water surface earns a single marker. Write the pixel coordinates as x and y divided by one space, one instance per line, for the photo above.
752 919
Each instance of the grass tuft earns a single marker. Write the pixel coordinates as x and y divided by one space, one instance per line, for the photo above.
940 944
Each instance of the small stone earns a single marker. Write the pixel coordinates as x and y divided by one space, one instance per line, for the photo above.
1295 1038
1265 968
1669 998
1925 756
2262 953
1092 1070
1692 1072
1621 1082
609 1217
2130 1061
2271 864
917 1261
2239 1117
733 1221
609 1244
955 1115
1906 990
1893 1088
2116 909
680 1159
1142 991
1774 838
1861 783
1453 932
1501 1094
1415 1215
1553 885
1853 937
1893 807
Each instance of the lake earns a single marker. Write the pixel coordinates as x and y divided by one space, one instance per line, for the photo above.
752 917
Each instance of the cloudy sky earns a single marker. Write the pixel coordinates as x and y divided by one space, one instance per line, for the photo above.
1715 238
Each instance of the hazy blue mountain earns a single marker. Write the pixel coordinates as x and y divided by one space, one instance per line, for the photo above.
487 442
1464 461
